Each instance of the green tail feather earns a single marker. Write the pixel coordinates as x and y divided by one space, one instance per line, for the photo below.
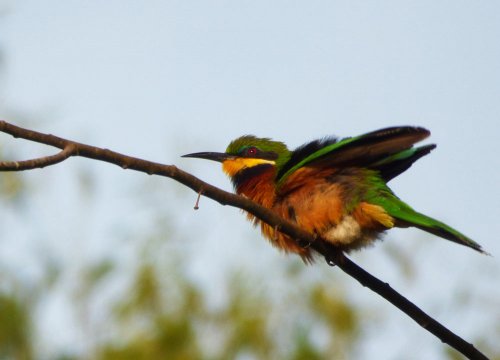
406 216
438 228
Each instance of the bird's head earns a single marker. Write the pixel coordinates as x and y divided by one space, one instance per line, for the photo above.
247 152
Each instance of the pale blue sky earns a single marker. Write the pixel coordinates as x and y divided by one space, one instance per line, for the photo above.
158 79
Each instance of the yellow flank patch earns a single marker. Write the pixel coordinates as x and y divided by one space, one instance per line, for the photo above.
232 166
378 214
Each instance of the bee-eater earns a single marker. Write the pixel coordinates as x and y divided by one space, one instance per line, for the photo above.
333 188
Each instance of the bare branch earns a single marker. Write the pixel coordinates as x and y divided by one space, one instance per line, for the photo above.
38 162
332 255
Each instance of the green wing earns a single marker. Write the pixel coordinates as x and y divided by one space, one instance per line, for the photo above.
389 150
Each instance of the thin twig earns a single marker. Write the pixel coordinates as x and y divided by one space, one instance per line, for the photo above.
332 255
197 203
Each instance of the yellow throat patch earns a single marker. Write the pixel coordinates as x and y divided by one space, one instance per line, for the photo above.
232 166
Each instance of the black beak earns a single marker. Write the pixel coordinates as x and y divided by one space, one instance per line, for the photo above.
215 156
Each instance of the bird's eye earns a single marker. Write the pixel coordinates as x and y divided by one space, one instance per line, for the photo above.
251 151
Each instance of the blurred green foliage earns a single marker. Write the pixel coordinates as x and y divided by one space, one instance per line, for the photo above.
10 186
15 328
172 319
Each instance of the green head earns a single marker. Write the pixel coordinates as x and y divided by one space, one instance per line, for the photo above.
248 151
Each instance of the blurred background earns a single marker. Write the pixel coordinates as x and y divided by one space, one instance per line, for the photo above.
101 263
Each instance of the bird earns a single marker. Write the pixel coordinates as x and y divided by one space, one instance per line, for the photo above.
334 188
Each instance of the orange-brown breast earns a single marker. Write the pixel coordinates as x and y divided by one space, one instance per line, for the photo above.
317 205
262 190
